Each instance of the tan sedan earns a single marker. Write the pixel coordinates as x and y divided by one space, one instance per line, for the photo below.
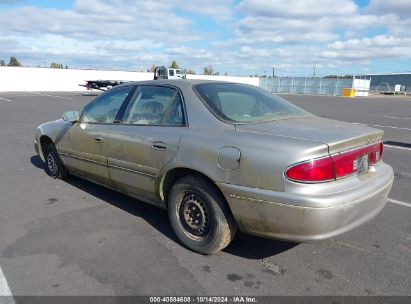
220 156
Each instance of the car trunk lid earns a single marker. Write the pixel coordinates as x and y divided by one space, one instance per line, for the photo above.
338 136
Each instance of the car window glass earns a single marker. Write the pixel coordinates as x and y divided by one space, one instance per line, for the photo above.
171 72
233 103
154 105
174 115
243 104
105 107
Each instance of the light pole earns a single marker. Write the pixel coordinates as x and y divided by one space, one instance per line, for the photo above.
314 67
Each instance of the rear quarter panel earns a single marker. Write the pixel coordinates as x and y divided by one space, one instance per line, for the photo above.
263 157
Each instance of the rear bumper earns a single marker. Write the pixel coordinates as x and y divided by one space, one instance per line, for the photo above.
273 214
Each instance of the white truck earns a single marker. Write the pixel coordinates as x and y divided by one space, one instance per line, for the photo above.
161 72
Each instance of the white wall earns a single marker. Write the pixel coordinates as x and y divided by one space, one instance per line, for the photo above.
361 86
43 79
247 80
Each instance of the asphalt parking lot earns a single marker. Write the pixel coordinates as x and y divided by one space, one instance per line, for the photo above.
75 238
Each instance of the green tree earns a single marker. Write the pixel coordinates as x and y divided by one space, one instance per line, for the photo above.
2 63
14 62
189 71
339 76
55 65
174 65
208 70
151 70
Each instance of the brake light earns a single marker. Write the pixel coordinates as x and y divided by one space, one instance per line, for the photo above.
376 155
316 170
347 163
336 166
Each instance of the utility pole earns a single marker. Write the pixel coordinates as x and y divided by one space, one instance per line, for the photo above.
273 72
314 67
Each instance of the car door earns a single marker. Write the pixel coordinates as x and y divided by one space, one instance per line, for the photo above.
85 146
146 139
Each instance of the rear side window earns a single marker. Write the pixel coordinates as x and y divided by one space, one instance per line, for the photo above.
236 103
155 105
104 108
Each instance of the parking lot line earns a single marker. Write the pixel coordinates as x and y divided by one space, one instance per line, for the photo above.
48 95
5 99
391 127
4 286
394 117
399 203
396 147
351 246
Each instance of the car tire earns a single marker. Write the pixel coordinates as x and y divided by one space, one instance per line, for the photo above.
54 166
199 215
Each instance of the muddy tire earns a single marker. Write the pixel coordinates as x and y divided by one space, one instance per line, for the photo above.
199 215
54 166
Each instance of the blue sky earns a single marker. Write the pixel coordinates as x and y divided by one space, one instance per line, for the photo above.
238 37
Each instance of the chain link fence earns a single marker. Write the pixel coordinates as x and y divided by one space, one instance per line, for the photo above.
306 85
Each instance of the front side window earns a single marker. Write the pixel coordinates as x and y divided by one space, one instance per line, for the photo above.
155 105
236 103
104 108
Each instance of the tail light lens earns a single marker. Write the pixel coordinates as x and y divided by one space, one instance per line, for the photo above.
336 166
376 154
316 170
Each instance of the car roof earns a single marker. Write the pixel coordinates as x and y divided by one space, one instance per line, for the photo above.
181 83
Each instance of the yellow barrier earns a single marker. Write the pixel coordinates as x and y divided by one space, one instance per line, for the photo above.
348 92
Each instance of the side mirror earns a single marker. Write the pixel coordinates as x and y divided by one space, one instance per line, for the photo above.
71 116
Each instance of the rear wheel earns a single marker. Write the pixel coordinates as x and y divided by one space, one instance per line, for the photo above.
54 166
200 216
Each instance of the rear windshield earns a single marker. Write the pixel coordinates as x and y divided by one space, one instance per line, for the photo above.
236 103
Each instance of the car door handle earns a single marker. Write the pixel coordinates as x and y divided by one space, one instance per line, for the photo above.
98 139
158 145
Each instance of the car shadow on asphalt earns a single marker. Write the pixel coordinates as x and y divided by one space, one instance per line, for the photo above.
243 245
37 162
256 248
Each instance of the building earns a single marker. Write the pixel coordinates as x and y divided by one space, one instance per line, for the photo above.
387 82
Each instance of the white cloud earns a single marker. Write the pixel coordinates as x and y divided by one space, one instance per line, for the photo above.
95 30
120 22
238 38
365 49
398 7
218 10
298 8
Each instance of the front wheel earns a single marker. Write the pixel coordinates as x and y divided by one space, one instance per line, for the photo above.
54 166
200 216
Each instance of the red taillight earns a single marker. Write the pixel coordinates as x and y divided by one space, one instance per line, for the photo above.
376 155
335 166
346 163
316 170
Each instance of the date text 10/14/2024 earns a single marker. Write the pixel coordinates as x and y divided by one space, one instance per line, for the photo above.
204 299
